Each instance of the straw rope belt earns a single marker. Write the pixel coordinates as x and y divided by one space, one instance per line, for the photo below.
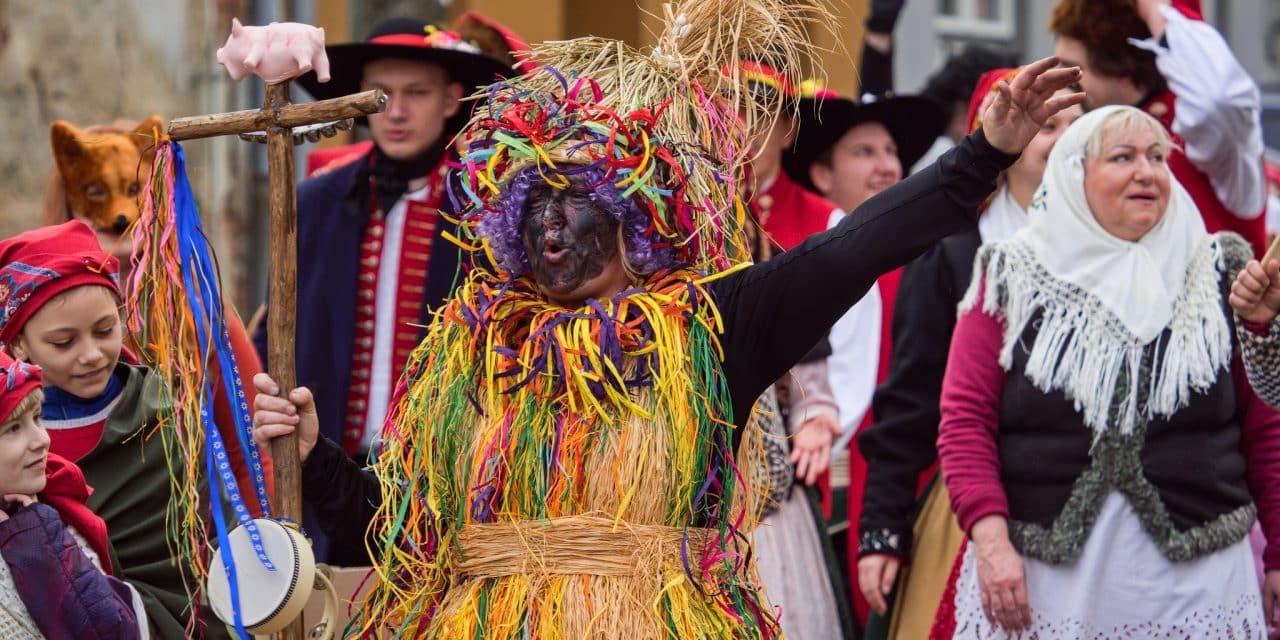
574 545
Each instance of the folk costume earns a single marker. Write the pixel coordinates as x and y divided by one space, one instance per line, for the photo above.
373 258
1086 375
905 508
860 339
525 432
130 473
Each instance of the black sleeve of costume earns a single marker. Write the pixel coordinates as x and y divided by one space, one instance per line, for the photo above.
774 312
819 351
902 441
884 15
875 75
344 496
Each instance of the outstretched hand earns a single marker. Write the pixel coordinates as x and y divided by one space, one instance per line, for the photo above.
1021 107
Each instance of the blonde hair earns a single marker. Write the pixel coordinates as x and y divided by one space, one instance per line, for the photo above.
27 405
1126 119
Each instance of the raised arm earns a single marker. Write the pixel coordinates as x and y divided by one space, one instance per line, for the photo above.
776 311
1217 108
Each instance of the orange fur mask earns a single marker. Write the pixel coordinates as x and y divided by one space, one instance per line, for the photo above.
103 170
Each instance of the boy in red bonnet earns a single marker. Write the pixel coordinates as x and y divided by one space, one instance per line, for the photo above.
59 309
53 581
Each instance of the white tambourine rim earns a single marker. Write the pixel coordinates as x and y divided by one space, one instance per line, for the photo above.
271 622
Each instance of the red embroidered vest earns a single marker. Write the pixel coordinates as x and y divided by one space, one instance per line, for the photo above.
789 213
421 218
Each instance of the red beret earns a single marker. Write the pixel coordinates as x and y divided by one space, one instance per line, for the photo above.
17 381
39 264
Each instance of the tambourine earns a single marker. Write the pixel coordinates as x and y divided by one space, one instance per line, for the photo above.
271 600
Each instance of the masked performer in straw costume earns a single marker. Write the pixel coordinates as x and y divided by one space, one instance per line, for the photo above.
565 457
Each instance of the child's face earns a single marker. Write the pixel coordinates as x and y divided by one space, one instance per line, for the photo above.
24 449
76 339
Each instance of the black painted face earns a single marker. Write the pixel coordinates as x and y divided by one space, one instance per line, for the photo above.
568 238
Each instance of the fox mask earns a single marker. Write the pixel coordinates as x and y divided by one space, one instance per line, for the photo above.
103 172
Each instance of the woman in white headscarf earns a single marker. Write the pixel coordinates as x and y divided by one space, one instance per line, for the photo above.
1101 449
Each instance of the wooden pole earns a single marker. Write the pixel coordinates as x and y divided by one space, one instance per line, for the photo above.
276 120
1273 252
281 320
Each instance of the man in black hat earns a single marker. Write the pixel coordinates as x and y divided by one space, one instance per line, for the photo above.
373 253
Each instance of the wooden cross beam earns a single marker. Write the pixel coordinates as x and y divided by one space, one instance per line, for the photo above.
283 123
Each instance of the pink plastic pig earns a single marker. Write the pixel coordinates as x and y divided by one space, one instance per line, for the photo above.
277 52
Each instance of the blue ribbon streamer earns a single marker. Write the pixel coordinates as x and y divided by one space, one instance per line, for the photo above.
228 564
200 278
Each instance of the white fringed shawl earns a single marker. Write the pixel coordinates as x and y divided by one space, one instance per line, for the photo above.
1083 349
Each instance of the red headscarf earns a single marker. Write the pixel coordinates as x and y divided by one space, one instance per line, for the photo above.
39 264
17 381
986 85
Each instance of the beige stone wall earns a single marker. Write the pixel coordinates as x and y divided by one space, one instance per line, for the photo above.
82 62
95 61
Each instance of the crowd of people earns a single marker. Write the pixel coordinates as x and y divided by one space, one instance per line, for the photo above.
678 343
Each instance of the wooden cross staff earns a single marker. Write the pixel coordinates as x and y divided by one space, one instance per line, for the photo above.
282 124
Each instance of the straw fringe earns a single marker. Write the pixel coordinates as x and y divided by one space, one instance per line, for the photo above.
518 412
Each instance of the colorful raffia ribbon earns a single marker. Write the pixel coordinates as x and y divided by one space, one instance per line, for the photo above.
175 310
518 411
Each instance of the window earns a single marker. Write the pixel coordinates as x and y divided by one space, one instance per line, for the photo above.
987 19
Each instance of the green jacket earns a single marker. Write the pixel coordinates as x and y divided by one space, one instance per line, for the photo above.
129 474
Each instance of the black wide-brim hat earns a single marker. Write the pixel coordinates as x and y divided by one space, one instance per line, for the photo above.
410 39
914 122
